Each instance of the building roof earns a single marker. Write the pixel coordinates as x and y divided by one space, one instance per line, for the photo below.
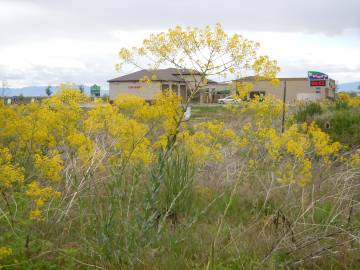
168 74
253 78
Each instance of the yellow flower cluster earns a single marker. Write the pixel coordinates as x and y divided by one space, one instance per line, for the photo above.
217 130
38 140
9 173
355 160
351 101
126 135
129 104
292 173
206 142
69 95
166 110
31 138
48 168
270 138
266 110
296 141
294 149
81 145
242 89
322 142
199 146
179 46
40 195
137 129
263 67
5 252
168 106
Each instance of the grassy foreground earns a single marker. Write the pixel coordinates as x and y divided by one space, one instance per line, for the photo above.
132 186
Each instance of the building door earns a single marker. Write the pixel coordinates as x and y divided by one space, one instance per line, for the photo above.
165 87
175 88
197 97
183 94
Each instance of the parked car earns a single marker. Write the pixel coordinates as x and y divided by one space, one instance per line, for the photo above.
226 100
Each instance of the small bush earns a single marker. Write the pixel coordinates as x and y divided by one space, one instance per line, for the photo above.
340 105
343 125
308 111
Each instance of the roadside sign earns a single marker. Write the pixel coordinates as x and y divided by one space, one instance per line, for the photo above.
95 90
317 78
316 75
318 83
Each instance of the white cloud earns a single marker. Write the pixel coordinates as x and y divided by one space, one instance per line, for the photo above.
46 42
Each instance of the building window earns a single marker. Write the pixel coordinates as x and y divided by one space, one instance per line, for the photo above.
175 88
183 92
326 92
165 87
196 97
254 94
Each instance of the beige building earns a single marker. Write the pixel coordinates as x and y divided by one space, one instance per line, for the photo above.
296 89
183 82
179 81
213 91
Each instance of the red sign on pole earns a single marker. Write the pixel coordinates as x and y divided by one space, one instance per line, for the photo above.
318 83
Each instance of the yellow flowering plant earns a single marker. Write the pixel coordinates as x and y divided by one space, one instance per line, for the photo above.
294 151
100 174
32 144
9 173
352 101
196 53
39 195
5 252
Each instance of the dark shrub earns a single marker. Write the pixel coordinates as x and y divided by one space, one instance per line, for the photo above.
343 125
340 105
306 112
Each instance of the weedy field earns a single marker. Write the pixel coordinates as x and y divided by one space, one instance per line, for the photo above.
131 185
134 186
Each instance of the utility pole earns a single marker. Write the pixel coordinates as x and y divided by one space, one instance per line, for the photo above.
283 110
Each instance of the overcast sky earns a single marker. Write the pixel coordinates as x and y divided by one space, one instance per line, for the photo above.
51 41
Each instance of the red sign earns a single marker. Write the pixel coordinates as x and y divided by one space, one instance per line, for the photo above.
318 83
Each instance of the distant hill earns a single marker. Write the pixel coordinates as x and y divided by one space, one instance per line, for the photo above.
353 86
27 91
37 91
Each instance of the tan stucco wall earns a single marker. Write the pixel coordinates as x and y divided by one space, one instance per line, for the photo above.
215 87
293 88
191 80
147 91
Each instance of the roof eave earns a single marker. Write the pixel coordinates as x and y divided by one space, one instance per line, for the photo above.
114 80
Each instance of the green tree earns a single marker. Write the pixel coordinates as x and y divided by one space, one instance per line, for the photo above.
48 91
81 88
197 54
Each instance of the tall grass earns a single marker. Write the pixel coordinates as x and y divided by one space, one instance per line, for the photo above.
338 119
177 212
